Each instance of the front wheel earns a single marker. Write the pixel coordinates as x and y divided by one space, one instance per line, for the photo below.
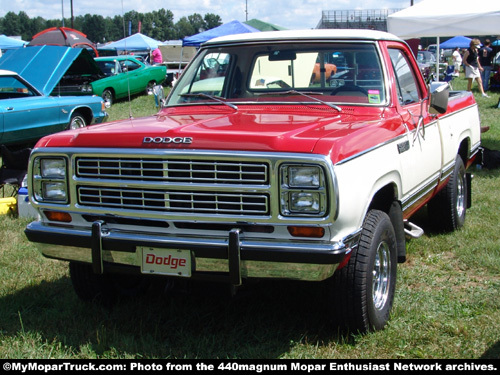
108 97
361 293
77 121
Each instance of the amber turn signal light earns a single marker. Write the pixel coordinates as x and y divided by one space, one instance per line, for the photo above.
63 217
315 232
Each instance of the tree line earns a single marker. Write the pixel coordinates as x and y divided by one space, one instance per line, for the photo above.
158 24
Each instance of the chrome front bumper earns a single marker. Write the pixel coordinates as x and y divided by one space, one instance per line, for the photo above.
230 259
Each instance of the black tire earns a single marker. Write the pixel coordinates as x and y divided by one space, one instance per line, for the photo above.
108 96
361 293
447 210
77 121
89 286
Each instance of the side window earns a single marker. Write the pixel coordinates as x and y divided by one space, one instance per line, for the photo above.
131 65
405 79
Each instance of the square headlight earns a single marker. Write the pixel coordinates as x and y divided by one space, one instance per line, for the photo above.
54 191
306 202
53 168
304 176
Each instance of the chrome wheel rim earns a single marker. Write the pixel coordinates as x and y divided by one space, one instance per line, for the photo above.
461 197
77 122
381 276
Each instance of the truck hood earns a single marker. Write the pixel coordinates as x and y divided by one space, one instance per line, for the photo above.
44 66
290 128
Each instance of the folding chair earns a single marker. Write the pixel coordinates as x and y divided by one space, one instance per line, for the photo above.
14 168
448 75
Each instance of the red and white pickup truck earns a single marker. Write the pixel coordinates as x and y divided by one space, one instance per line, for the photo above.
294 154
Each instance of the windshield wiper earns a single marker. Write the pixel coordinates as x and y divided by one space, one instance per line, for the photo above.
308 94
216 98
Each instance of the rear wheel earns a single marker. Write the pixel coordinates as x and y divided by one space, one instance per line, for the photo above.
77 121
448 208
149 87
362 292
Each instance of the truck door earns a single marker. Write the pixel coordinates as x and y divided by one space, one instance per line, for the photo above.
420 150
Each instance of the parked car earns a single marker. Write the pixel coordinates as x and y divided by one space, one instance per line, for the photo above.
69 71
28 113
126 75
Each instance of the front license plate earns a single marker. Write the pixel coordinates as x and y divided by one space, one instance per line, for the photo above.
172 262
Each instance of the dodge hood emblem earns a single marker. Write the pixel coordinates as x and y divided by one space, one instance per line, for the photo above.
167 140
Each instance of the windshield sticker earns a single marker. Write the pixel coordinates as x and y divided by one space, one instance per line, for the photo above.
374 96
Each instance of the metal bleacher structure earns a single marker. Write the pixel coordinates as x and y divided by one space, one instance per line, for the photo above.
372 19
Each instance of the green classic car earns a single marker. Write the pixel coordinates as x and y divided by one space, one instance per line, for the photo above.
126 75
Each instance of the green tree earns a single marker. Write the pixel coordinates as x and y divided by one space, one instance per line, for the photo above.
184 28
11 24
198 23
212 20
94 27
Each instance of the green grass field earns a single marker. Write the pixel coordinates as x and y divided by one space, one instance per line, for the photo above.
447 301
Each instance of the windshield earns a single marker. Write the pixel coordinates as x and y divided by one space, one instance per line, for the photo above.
334 72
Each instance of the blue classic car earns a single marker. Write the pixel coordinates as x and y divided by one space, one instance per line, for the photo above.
27 114
31 106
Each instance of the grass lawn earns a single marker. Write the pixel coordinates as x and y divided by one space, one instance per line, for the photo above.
447 301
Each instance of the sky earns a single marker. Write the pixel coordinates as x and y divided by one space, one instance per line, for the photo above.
291 14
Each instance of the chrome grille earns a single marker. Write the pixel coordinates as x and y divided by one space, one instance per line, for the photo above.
174 201
179 171
173 185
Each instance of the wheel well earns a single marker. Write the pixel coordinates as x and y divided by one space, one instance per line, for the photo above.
464 150
383 198
85 112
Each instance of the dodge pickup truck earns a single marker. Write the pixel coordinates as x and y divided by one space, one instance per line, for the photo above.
263 163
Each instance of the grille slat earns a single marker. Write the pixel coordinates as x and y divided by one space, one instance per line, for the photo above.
204 198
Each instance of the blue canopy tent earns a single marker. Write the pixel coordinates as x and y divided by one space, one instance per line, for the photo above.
230 28
456 42
134 42
9 43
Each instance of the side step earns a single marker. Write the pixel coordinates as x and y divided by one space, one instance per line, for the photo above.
412 230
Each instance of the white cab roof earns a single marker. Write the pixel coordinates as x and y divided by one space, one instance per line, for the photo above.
314 34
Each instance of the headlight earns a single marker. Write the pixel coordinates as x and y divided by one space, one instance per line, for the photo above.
304 202
303 190
54 191
53 168
304 176
50 184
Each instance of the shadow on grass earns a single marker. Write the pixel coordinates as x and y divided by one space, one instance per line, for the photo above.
263 321
493 352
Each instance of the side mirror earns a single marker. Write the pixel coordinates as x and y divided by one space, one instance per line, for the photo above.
439 93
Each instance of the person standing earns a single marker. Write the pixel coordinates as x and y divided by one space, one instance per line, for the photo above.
457 61
157 57
485 58
473 67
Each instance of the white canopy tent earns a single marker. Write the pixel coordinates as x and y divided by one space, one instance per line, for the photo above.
437 18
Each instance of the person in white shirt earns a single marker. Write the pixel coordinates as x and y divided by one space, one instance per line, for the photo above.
457 61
